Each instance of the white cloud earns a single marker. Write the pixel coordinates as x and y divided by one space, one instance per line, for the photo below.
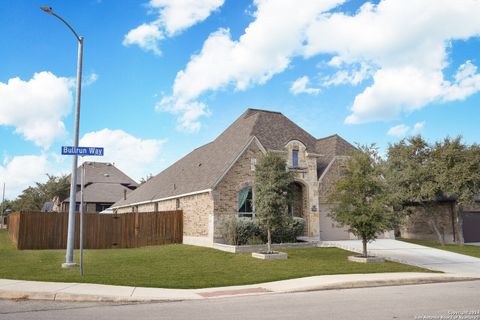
400 45
36 107
398 131
405 43
136 157
90 79
353 75
418 127
301 86
178 15
20 172
403 130
174 16
146 36
467 82
265 49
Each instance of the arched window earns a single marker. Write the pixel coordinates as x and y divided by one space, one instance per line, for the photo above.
245 202
295 158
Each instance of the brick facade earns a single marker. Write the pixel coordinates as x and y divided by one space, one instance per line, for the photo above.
225 194
197 209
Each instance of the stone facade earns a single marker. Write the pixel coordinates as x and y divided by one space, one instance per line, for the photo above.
307 195
225 194
418 226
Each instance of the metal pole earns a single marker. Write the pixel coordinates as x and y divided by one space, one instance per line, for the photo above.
73 183
82 182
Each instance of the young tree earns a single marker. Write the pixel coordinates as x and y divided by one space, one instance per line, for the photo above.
360 197
272 182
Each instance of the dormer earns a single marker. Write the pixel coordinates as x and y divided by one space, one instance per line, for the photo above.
296 154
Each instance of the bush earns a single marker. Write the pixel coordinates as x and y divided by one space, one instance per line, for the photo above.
241 231
290 232
238 231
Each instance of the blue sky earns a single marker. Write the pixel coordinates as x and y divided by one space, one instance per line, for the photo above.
163 77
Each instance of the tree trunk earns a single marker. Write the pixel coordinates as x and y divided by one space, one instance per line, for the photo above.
269 241
364 242
435 228
459 214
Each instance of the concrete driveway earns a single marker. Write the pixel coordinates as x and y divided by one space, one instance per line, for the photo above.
413 254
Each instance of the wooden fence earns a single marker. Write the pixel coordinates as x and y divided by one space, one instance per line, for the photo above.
36 230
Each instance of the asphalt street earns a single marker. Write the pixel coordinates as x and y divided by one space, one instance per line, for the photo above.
455 300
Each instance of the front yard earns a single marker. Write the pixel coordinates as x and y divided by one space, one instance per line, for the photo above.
179 266
466 249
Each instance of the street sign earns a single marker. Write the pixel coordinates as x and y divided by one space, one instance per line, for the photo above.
82 151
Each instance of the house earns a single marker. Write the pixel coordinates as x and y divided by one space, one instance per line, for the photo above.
104 185
451 224
214 182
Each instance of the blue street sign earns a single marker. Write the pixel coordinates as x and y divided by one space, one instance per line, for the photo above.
82 151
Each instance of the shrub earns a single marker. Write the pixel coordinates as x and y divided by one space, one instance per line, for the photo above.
238 231
242 231
290 232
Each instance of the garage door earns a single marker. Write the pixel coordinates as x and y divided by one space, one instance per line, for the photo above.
471 226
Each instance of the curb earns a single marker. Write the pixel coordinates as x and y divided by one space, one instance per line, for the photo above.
382 283
71 297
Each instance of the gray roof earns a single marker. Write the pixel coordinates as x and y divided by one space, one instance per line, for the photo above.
102 193
104 172
204 166
104 183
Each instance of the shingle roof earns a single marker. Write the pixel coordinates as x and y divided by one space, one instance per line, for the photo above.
104 172
103 183
201 168
102 193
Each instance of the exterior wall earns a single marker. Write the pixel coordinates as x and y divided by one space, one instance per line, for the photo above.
329 229
197 216
306 175
241 176
225 194
329 178
90 207
417 225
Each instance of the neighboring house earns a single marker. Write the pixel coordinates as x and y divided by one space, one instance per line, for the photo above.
104 185
215 182
450 223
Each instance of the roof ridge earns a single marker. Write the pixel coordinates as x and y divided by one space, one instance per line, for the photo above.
330 136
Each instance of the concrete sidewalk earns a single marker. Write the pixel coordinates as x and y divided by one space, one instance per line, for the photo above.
413 254
59 291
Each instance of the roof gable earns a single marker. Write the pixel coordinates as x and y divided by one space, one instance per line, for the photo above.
202 168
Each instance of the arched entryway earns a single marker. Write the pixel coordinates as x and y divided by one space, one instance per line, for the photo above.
296 206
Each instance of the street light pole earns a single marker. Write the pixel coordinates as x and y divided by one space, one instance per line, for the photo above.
73 181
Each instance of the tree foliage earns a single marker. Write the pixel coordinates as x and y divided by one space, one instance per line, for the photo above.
272 182
360 196
33 197
420 174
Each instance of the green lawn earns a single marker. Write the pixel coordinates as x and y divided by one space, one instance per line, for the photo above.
468 250
179 266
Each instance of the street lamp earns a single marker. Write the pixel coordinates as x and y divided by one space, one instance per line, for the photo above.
73 183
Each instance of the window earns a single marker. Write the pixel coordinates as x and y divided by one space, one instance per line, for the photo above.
99 207
245 202
295 158
253 164
177 203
